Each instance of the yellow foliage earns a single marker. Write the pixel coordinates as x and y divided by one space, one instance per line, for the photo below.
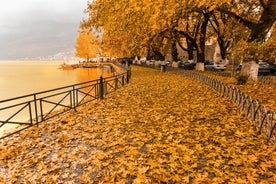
87 45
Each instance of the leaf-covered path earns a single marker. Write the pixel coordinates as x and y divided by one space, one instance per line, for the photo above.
160 128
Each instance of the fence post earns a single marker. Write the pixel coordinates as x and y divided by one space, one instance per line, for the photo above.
101 88
116 83
128 76
123 80
36 113
74 104
30 113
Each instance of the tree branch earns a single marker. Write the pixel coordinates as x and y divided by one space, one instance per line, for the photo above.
245 22
263 4
181 46
217 24
227 44
193 41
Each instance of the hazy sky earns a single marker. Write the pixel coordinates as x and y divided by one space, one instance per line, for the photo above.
31 28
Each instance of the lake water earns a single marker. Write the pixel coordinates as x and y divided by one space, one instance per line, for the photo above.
18 78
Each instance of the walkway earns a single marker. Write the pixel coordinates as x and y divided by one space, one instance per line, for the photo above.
160 128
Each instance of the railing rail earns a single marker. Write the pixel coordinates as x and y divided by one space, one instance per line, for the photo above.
37 107
261 117
269 80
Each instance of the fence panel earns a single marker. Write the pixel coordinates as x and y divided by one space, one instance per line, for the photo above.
264 120
22 112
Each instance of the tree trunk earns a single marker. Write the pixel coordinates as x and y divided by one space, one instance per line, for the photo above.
202 41
200 56
190 54
148 53
223 53
190 49
260 30
158 55
174 51
223 45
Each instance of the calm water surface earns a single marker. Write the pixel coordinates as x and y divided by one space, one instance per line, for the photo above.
18 78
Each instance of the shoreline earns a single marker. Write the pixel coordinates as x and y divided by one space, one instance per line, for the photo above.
65 66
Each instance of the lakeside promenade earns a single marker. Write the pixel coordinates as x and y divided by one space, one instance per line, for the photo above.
160 128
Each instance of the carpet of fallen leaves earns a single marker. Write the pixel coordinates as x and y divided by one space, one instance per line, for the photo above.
160 128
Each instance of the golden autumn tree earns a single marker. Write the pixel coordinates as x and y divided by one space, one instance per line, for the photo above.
128 26
144 26
260 50
87 45
254 20
153 28
257 15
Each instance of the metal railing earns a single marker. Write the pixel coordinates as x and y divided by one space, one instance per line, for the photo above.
262 118
270 80
38 107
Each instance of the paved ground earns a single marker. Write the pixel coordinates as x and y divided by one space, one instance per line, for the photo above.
160 128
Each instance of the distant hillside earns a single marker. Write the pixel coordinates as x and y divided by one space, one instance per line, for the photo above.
65 55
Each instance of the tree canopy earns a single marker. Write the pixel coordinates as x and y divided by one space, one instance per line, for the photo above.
154 28
87 45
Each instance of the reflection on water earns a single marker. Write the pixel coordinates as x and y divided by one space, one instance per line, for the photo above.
87 74
19 78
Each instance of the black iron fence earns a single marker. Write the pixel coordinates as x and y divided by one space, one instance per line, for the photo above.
262 118
17 114
270 80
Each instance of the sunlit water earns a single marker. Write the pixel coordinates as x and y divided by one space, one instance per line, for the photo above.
19 78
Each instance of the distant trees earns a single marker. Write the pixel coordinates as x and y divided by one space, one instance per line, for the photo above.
86 45
155 28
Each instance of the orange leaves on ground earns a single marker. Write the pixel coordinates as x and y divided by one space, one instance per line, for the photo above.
159 128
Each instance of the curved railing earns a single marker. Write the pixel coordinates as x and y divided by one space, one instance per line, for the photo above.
38 107
270 80
262 118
